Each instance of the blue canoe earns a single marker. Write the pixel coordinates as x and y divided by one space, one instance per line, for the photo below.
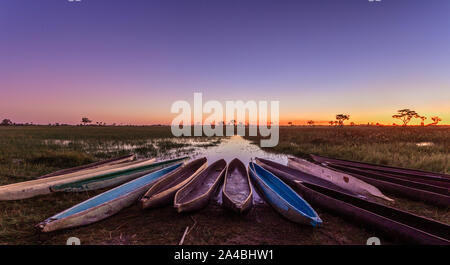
282 197
106 203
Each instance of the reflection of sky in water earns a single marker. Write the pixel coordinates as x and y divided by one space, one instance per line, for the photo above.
228 149
236 147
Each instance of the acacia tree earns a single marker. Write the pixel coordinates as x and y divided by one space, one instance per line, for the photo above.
290 123
310 122
85 120
331 123
341 118
436 120
423 118
6 122
405 115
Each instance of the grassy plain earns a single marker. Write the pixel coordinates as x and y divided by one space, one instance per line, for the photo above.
30 151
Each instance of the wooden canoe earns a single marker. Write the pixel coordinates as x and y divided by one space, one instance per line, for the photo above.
237 192
412 173
114 178
198 192
341 179
163 192
307 177
282 197
28 189
105 204
393 222
403 190
442 189
112 161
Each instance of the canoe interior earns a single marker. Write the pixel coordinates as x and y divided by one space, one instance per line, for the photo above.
424 224
202 183
237 186
305 177
116 192
283 190
182 175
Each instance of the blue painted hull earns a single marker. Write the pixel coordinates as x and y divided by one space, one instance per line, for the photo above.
282 197
106 203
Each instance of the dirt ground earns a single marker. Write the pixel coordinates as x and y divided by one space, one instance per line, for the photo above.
212 225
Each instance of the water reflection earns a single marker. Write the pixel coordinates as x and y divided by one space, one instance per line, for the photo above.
236 147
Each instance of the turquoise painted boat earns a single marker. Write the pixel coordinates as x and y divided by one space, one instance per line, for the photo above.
107 203
114 178
282 197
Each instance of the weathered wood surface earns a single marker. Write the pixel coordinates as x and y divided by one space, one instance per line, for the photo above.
237 192
163 192
198 192
341 179
105 204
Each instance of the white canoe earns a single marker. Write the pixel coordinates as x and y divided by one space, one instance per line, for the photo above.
341 179
28 189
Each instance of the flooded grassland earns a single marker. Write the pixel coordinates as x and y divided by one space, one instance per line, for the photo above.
28 152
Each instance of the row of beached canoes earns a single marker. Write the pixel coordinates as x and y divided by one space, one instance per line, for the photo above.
398 224
328 184
190 186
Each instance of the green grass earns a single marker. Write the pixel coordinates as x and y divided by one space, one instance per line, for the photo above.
29 151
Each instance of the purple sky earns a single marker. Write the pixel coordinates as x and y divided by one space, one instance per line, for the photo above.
127 61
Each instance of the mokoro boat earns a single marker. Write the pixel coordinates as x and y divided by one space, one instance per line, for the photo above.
282 197
106 203
410 192
237 192
412 173
197 193
308 177
163 192
114 178
397 224
343 180
112 161
28 189
396 179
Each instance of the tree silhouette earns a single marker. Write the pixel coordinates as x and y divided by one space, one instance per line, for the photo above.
290 123
331 123
85 120
6 122
435 120
405 115
423 118
341 118
310 122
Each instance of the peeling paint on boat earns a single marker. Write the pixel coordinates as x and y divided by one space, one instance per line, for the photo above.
343 180
286 201
104 204
110 180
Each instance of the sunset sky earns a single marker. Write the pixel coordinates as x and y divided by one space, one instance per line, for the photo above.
128 61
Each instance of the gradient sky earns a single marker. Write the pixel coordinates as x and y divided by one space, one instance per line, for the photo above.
128 61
